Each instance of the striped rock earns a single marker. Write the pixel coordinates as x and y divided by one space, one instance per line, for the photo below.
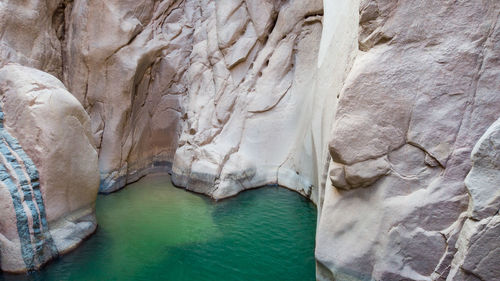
48 169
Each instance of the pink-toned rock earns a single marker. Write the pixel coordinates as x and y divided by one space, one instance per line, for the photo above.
53 130
420 95
369 108
30 34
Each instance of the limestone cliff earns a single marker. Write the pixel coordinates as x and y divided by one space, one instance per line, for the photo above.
370 108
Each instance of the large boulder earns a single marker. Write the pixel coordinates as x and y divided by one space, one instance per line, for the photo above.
48 168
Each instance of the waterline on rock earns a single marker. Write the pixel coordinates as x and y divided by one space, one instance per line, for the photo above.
153 231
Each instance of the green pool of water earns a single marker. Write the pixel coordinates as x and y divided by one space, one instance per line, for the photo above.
154 231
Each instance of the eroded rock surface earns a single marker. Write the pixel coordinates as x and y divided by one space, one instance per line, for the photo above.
479 241
422 91
126 64
207 86
235 110
49 169
370 108
29 34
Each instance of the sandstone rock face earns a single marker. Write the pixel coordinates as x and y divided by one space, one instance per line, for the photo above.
49 169
478 245
482 180
126 65
422 91
30 33
207 86
370 108
247 90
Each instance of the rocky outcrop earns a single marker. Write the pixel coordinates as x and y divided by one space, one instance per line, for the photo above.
479 242
241 99
126 65
48 169
205 85
419 96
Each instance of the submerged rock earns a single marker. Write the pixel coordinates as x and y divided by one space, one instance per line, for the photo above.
48 166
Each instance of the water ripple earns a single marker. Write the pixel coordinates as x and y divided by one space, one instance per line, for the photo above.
153 231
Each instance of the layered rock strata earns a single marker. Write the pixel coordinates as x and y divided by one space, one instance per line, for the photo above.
20 184
48 166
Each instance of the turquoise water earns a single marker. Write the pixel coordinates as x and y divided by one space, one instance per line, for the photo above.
154 231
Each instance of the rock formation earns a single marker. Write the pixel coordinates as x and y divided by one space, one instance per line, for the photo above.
205 85
29 34
478 252
423 89
48 167
370 108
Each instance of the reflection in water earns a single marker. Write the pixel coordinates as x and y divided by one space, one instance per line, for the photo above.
153 231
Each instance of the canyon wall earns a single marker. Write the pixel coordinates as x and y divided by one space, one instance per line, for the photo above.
229 142
126 63
423 89
369 108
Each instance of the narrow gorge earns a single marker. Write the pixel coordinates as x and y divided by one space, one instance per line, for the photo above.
383 113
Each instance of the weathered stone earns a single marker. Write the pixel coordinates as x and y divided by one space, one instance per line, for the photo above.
478 251
230 95
420 96
28 34
483 180
57 153
479 243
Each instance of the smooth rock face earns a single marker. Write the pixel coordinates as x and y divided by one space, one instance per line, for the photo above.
207 86
422 91
125 63
48 167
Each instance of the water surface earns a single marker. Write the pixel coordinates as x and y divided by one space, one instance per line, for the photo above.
154 231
